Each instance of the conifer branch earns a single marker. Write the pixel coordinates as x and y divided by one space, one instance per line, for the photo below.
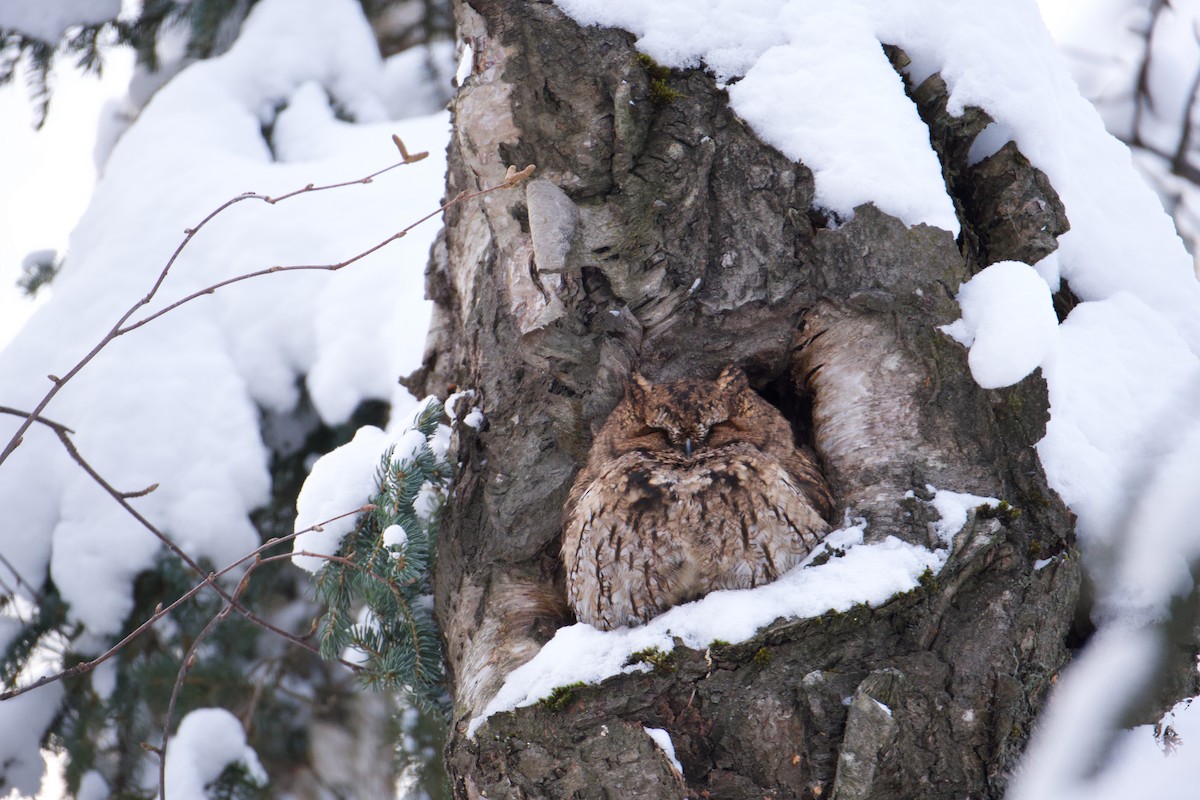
83 668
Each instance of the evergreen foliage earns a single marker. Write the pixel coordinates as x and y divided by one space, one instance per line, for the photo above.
388 575
106 730
236 782
39 270
49 617
107 718
210 25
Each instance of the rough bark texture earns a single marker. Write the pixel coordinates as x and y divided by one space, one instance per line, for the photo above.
660 233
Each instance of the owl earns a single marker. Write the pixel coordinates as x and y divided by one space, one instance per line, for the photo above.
691 486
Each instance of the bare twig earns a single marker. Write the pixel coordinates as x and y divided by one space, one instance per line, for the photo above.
119 328
209 580
400 234
189 658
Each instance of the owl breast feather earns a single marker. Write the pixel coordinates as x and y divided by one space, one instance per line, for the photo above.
651 530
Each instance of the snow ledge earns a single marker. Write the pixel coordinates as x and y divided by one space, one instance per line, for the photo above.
840 573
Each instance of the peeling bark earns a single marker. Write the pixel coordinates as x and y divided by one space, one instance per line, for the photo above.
660 233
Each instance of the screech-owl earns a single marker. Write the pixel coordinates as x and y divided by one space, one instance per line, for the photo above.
691 486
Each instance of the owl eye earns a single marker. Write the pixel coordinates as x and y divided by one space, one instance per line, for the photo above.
656 434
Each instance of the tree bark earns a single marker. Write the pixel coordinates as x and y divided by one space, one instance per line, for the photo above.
660 233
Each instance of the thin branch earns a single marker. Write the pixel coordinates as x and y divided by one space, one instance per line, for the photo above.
209 580
513 178
189 234
188 659
459 198
16 412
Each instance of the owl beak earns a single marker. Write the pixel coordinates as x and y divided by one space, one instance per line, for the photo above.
687 447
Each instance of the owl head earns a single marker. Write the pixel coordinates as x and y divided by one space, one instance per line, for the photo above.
682 414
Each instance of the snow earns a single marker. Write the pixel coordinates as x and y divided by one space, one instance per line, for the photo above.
340 481
833 131
417 81
343 480
953 508
208 740
1144 564
49 19
663 739
1145 765
394 536
92 786
1121 370
1120 380
48 174
1008 321
19 717
178 403
464 400
466 63
1056 764
865 573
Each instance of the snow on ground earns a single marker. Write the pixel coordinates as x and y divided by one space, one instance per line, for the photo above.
863 573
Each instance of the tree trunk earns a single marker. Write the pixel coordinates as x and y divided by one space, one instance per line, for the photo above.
660 233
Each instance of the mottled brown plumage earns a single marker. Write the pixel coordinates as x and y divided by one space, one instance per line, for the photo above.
691 486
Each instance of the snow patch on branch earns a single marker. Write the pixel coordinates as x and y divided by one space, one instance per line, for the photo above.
1008 321
343 480
662 738
48 20
208 741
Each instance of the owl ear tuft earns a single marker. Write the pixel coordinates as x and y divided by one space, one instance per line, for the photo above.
638 388
733 377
